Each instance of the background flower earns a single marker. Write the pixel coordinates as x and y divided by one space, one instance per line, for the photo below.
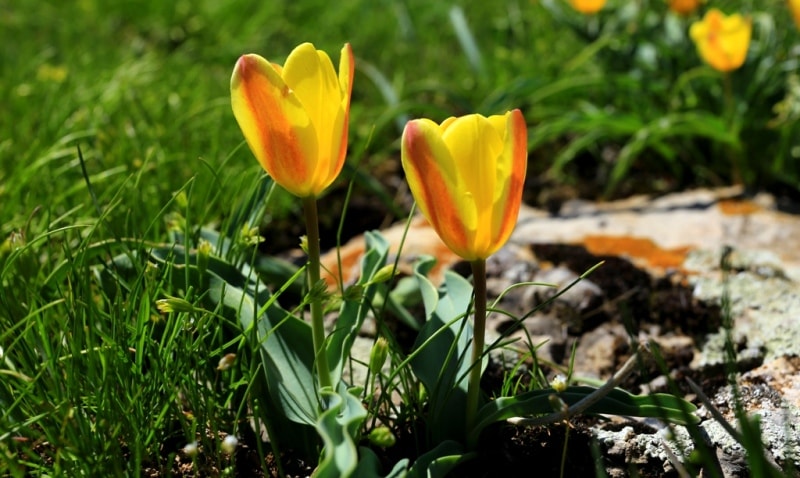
684 7
721 40
794 7
588 6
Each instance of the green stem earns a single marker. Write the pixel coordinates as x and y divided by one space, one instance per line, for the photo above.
474 386
730 123
317 324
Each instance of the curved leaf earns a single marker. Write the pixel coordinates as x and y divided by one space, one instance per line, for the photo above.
339 427
617 402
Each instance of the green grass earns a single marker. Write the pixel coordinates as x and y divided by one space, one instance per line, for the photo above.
90 370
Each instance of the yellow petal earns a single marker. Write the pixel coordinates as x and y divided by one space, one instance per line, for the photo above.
310 74
722 41
339 138
431 176
475 146
588 6
794 7
467 176
274 123
511 169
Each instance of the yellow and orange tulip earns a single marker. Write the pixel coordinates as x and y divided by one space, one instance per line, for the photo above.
684 7
588 6
295 117
467 176
794 7
721 40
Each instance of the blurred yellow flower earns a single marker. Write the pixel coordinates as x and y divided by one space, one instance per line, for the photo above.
295 118
684 7
54 73
467 176
794 7
721 40
588 6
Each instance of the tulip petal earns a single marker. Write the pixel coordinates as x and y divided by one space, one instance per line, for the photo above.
310 74
475 145
467 176
432 178
722 41
339 146
274 123
511 170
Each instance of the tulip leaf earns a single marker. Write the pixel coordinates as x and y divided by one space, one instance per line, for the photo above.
286 350
369 465
339 426
353 312
441 350
618 402
439 461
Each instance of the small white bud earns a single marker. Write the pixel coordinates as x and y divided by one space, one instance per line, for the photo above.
226 362
559 383
191 449
229 444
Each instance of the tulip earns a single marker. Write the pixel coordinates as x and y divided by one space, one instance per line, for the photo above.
721 40
295 117
794 7
588 6
684 7
467 175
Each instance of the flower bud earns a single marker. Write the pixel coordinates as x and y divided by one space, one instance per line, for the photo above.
384 273
382 437
203 251
174 304
557 403
229 444
191 449
226 362
181 200
559 383
378 354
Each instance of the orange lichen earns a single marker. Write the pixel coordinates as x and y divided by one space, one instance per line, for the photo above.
738 207
420 240
637 249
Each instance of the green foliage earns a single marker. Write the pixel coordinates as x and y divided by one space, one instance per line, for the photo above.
441 357
681 117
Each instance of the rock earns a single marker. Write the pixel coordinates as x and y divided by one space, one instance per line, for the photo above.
764 305
643 446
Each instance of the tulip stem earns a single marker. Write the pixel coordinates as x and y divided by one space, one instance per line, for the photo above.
317 324
730 122
479 329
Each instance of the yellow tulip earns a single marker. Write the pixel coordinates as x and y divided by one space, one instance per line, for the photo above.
467 176
684 7
794 7
722 41
295 117
588 6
